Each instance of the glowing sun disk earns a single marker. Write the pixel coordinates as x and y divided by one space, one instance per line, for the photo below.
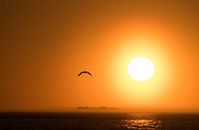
141 69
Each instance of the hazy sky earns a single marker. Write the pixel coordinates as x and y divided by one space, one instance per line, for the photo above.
44 44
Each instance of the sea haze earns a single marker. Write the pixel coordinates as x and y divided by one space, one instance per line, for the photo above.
97 121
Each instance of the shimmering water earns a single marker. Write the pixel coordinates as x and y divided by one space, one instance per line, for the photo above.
98 121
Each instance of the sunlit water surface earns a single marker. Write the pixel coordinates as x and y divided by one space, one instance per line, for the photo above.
98 121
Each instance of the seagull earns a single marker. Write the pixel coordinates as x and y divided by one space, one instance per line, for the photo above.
85 72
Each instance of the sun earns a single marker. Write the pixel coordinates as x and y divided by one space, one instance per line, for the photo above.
141 69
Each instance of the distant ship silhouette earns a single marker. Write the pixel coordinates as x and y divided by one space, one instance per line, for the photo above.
95 108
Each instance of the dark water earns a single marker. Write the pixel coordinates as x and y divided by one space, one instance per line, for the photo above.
98 121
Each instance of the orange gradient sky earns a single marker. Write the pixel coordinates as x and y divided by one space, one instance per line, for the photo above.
45 44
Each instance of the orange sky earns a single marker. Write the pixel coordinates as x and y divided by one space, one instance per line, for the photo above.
45 44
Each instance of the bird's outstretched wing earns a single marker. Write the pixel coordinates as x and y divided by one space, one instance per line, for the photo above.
79 73
84 72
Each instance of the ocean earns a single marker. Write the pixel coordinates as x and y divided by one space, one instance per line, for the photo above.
98 121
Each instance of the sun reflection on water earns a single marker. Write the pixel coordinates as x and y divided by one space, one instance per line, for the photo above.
145 124
141 122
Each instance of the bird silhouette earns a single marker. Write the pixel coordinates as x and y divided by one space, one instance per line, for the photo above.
84 72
